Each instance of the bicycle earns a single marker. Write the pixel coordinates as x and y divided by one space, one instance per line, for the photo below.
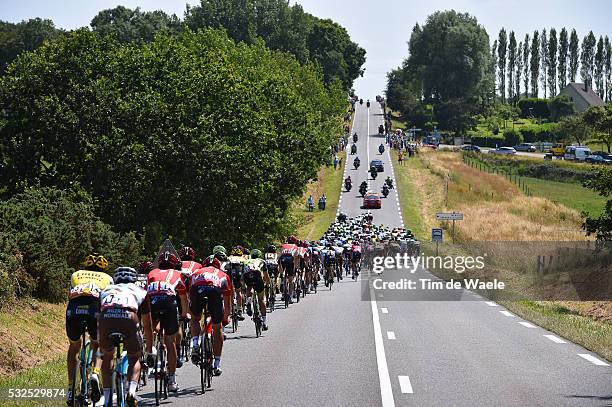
285 290
298 286
271 297
234 315
82 371
186 341
256 314
205 350
120 370
161 368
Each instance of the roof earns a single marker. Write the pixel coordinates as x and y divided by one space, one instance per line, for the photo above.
589 96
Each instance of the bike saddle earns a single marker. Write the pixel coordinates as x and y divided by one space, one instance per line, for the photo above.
116 338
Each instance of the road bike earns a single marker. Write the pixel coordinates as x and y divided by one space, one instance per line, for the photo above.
256 314
234 316
161 368
119 379
205 350
82 371
186 341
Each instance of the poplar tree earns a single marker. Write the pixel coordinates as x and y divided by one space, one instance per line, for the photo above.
526 50
502 44
599 69
562 59
552 63
535 63
587 59
573 56
519 71
511 65
544 61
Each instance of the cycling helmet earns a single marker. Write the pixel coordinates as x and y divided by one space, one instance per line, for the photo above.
256 254
95 262
145 267
271 249
292 239
125 275
168 260
245 250
236 251
187 253
212 261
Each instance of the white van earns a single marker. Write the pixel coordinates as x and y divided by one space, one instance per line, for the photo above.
577 153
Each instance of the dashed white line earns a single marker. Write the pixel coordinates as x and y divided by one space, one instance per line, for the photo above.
507 313
405 385
384 310
555 339
491 303
593 359
390 335
386 392
527 324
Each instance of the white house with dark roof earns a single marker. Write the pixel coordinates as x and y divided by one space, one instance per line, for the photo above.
582 96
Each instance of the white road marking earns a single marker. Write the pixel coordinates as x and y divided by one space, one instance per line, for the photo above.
390 335
384 310
491 303
507 313
593 359
555 339
405 385
527 324
386 392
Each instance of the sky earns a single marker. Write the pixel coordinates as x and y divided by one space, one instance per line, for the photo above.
382 27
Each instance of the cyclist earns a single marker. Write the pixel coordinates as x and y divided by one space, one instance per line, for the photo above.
329 262
188 266
82 313
121 303
287 263
337 247
164 285
355 258
212 283
256 278
235 268
271 260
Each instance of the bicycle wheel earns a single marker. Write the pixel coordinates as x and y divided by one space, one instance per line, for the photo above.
303 288
209 359
157 372
285 293
202 355
120 390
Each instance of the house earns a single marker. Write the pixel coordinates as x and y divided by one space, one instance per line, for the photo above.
582 96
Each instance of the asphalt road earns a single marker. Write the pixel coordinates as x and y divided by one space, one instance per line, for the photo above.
347 348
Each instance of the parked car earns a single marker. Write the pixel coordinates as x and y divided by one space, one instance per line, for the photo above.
577 153
469 147
372 201
503 151
528 147
380 167
604 158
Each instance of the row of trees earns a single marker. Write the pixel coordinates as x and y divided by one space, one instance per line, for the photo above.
282 26
550 61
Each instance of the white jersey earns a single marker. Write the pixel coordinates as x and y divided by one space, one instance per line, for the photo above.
124 296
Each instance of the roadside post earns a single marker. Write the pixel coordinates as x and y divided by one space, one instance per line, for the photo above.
450 216
436 236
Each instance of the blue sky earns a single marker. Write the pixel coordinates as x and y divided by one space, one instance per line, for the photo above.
382 27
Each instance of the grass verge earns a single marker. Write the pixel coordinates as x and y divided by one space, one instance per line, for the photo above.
50 375
569 194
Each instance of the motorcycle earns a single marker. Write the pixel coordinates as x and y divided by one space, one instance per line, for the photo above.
361 101
381 148
385 190
354 149
373 172
355 138
381 129
348 185
368 104
356 162
389 182
363 189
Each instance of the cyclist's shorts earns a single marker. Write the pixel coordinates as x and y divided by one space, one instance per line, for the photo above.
165 310
254 279
236 272
272 269
124 322
287 261
356 256
215 301
82 314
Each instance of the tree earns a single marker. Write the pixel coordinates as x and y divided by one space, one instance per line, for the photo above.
535 63
608 69
519 70
601 182
572 127
587 59
561 106
573 56
552 63
600 119
511 65
562 59
526 49
493 68
128 25
599 69
502 49
24 36
544 61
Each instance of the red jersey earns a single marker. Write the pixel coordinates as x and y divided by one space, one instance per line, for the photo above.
189 267
211 276
302 252
165 282
289 248
356 248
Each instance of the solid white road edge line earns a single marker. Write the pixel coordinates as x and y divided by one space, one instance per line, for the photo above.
386 392
593 359
555 339
405 385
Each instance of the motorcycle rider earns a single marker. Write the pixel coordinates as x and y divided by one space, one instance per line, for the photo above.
385 190
356 162
389 182
373 172
363 187
355 137
348 183
381 148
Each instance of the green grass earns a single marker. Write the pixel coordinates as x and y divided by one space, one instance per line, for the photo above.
568 194
396 121
47 376
594 335
409 199
312 225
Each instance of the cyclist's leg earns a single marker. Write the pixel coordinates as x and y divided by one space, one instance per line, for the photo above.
216 308
196 306
133 346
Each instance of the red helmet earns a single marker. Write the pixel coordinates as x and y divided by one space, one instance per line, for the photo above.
292 239
145 267
187 253
168 260
212 261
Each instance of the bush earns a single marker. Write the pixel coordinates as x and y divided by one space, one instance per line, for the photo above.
44 235
512 137
534 106
483 139
561 106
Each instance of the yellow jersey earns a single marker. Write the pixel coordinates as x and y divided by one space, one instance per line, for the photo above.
87 283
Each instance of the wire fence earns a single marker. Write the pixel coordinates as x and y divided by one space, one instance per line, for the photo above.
511 176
